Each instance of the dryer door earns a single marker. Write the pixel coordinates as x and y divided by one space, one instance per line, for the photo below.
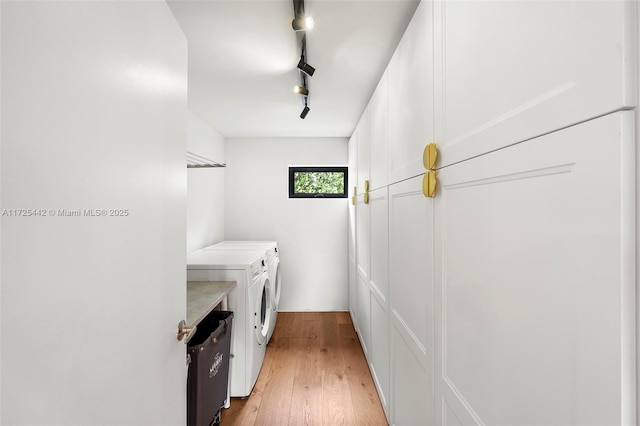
262 310
276 285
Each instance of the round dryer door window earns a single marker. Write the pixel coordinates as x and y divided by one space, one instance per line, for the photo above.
262 312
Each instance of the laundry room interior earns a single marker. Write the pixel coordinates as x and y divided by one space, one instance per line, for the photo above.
271 212
249 200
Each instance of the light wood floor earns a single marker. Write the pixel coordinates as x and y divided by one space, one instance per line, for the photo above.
314 373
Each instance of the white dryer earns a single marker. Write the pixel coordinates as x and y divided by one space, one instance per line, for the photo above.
273 259
251 303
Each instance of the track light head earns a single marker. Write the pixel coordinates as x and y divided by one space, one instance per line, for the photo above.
306 68
305 111
302 23
302 90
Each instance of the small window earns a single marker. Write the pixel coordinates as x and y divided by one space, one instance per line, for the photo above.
318 182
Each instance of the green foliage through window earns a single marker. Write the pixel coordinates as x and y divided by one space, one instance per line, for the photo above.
317 182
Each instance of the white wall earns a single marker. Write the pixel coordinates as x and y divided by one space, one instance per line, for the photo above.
311 233
205 186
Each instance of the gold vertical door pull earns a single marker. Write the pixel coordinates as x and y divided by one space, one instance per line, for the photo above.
429 161
430 156
429 184
366 192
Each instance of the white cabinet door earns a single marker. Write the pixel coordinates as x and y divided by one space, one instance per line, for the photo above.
94 128
508 71
535 281
363 302
379 286
352 177
411 298
363 153
363 258
410 96
379 147
379 243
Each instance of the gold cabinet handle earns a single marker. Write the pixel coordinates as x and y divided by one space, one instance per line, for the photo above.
366 192
353 200
429 184
430 156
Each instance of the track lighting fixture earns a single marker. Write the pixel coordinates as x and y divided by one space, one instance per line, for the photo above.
301 90
302 23
306 68
305 110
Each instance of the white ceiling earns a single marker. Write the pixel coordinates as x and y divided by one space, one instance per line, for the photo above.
243 56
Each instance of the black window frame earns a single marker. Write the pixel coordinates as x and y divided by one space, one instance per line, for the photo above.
294 169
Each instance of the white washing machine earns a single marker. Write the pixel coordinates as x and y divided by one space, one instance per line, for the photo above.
251 303
273 259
